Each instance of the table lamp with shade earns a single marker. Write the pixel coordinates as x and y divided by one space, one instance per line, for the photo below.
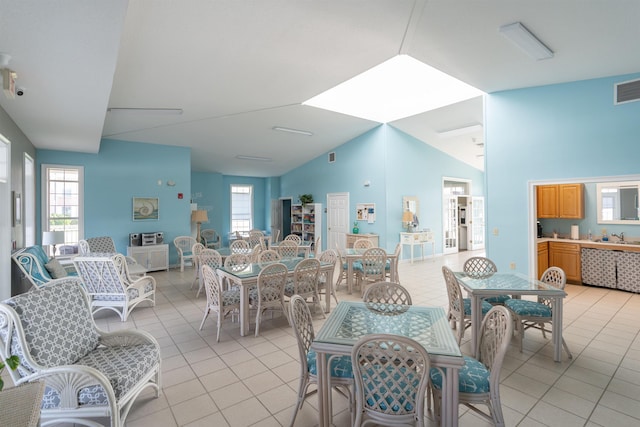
407 217
199 216
52 238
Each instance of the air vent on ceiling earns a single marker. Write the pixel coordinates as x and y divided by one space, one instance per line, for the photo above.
626 92
332 157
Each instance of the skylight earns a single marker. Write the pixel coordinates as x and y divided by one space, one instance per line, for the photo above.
397 88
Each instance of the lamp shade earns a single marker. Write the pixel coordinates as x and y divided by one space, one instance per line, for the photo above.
52 237
407 216
199 216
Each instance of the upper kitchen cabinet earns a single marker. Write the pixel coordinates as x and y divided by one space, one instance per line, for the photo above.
560 201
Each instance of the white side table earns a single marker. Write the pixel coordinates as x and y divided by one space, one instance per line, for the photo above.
419 238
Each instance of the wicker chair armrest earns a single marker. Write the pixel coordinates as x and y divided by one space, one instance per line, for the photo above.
68 279
141 282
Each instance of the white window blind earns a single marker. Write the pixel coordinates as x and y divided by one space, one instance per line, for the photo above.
241 208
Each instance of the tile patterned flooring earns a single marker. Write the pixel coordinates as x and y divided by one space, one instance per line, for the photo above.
249 381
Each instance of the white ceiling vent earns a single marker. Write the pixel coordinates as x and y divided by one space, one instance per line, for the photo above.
332 157
626 92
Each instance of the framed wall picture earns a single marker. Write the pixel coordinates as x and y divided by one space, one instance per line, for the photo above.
145 208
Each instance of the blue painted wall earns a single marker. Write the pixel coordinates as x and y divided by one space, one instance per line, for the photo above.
569 131
121 171
396 165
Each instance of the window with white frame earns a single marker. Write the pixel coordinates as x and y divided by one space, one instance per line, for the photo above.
63 203
241 208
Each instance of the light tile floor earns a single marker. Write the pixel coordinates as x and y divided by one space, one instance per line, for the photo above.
249 381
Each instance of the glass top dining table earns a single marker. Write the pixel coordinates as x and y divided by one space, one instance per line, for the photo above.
246 276
427 325
354 254
514 284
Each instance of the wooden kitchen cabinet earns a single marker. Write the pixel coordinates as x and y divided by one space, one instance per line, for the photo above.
567 257
543 257
547 201
560 201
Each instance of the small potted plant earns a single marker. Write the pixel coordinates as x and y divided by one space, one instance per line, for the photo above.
356 227
305 198
12 362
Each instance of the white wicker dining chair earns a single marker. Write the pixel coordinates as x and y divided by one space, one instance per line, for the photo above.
374 262
391 373
362 244
209 257
240 246
340 366
196 250
459 307
536 314
288 249
269 294
329 256
479 378
268 256
387 293
305 282
482 267
183 245
219 301
293 237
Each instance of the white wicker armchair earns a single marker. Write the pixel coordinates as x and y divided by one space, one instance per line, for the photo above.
110 287
88 373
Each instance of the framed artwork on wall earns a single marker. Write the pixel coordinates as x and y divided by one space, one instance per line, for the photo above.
145 208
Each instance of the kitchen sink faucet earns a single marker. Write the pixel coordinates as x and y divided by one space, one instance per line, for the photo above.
619 236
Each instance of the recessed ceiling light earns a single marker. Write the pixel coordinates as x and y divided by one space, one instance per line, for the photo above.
399 87
519 35
150 111
256 158
298 131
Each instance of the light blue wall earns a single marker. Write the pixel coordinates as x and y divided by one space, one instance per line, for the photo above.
396 165
121 171
568 131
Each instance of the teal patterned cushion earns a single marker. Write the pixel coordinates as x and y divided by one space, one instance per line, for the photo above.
467 306
231 297
356 266
340 366
528 308
498 299
473 377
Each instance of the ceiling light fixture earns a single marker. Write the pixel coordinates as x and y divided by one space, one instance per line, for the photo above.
518 34
150 111
256 158
450 133
301 132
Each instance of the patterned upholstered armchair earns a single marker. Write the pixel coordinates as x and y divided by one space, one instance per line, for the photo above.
106 245
88 373
34 264
110 286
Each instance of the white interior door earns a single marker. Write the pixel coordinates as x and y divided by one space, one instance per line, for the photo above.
477 224
450 225
337 220
5 218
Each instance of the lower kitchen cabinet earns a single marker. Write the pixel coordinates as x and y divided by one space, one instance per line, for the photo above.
628 267
599 267
567 257
543 258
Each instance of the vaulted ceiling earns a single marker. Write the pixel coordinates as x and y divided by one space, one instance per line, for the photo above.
238 68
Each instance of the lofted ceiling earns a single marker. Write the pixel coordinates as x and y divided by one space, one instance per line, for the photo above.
238 68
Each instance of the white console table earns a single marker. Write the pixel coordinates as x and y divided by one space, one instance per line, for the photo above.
151 257
419 238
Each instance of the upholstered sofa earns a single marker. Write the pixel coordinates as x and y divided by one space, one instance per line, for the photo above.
33 263
88 373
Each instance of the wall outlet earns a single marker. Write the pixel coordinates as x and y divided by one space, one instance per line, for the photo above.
495 231
512 266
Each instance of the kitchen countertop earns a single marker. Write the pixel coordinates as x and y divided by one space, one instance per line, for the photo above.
611 245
